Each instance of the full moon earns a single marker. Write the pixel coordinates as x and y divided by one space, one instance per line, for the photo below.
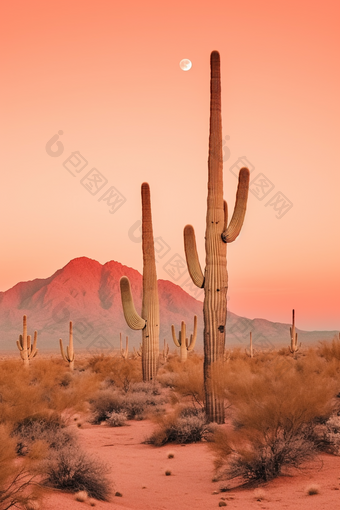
185 64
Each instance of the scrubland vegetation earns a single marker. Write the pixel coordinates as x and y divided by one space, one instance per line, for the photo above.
281 410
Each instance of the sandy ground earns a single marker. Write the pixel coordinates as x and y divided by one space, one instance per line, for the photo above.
138 473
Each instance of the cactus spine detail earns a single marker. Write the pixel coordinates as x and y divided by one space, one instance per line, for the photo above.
182 342
148 322
218 234
69 356
124 352
27 350
293 337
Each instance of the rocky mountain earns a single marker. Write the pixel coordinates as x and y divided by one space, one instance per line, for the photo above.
88 293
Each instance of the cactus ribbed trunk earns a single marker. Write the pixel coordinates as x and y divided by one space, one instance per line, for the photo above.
150 303
24 343
216 277
218 234
148 322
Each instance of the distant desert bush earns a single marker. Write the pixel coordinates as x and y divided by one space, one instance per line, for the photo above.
185 379
275 407
183 425
136 403
116 371
46 386
72 470
116 419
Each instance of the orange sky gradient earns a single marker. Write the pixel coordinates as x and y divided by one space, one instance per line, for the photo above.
107 74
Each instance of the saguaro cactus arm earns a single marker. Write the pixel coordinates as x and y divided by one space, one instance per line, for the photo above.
232 231
32 349
193 337
133 319
191 256
176 342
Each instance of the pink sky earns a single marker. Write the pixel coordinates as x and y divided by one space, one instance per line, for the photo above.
107 74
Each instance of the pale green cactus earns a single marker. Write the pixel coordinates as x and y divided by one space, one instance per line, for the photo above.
27 350
69 356
218 234
148 322
182 342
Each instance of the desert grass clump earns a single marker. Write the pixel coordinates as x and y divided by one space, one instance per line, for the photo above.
168 472
275 409
312 489
48 428
116 419
104 403
171 455
72 470
120 373
181 426
136 404
330 350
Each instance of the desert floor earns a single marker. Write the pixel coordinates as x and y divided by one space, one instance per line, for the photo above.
138 473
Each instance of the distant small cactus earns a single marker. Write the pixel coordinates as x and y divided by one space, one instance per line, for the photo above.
69 356
182 342
27 350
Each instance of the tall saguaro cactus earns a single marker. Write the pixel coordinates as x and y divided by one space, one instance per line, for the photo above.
218 234
182 342
148 322
69 356
27 350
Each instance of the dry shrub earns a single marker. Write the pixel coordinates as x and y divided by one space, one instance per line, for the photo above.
330 350
186 379
49 428
116 419
72 470
18 480
275 408
117 371
47 385
135 404
183 426
104 403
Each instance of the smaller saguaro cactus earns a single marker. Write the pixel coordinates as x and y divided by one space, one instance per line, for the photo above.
166 350
182 342
124 352
294 347
251 351
69 356
26 348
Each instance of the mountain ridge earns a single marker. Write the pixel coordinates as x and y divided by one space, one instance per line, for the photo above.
88 293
